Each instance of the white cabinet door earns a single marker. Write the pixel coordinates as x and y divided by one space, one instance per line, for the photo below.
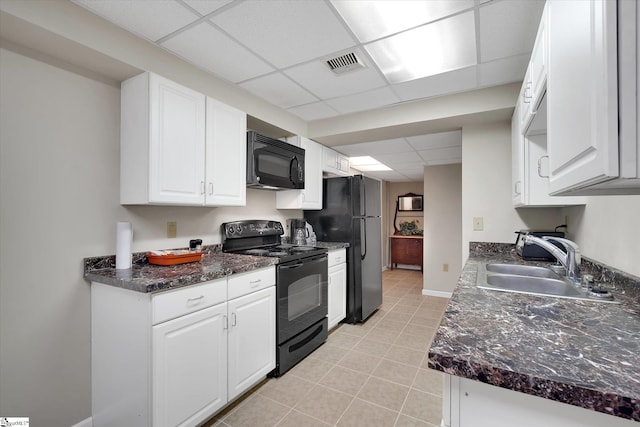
251 339
582 93
517 159
226 155
337 291
311 196
538 64
189 381
176 167
334 162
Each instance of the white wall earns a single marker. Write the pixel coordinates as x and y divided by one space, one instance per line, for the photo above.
59 172
443 232
486 189
607 230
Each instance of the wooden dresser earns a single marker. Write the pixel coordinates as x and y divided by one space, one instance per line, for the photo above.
406 250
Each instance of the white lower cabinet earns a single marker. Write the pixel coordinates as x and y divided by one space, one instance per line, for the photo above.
337 289
476 404
188 385
252 340
177 357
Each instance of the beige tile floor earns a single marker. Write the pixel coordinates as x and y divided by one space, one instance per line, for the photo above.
371 374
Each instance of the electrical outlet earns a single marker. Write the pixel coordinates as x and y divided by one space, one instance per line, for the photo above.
172 229
445 267
478 223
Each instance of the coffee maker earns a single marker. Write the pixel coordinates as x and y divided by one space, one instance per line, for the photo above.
298 231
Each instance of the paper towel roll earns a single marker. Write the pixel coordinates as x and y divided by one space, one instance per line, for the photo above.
124 235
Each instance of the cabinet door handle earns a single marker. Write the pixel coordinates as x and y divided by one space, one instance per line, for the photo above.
515 188
211 188
201 187
254 283
233 319
195 299
225 322
540 167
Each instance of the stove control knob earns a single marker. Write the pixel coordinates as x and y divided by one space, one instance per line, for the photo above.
239 229
230 230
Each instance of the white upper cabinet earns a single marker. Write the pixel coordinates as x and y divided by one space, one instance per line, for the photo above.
592 59
161 142
177 147
311 196
517 159
334 163
226 155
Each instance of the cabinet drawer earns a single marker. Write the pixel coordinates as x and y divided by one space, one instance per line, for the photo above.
172 304
336 257
245 283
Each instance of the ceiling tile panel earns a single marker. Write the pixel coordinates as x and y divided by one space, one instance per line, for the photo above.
151 19
508 28
503 71
205 7
279 90
398 145
364 101
408 158
212 50
436 140
321 81
451 82
286 32
441 153
391 176
315 111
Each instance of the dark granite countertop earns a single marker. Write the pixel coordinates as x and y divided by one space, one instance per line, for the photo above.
144 277
582 353
332 245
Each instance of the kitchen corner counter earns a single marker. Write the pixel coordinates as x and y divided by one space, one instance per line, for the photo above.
332 245
581 353
144 277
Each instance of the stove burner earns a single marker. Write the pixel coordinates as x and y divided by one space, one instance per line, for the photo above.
302 248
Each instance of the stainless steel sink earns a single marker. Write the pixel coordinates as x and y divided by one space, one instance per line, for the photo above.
522 270
531 280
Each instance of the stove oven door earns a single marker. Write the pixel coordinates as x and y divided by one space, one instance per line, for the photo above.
302 295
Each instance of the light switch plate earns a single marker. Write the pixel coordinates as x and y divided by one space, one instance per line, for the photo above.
172 229
478 223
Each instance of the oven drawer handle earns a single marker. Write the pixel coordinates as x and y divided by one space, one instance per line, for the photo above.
298 265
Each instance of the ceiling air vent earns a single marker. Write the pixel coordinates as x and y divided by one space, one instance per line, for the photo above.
345 63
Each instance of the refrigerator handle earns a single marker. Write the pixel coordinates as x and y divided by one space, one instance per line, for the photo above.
363 238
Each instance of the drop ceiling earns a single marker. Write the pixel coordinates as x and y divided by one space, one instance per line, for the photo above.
277 50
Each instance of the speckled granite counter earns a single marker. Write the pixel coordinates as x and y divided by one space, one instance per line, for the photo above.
143 277
332 245
578 352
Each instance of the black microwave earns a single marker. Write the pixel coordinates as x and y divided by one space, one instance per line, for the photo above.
273 164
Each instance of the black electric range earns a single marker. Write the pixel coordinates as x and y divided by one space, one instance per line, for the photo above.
262 238
301 287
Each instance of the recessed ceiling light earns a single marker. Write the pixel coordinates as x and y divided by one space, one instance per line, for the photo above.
367 164
371 20
432 49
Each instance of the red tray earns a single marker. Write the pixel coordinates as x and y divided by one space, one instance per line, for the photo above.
174 259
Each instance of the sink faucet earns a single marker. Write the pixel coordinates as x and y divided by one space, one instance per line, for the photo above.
570 259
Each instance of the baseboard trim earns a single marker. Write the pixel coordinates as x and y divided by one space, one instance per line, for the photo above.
84 423
441 294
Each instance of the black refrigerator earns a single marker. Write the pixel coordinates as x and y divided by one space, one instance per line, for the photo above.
351 212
